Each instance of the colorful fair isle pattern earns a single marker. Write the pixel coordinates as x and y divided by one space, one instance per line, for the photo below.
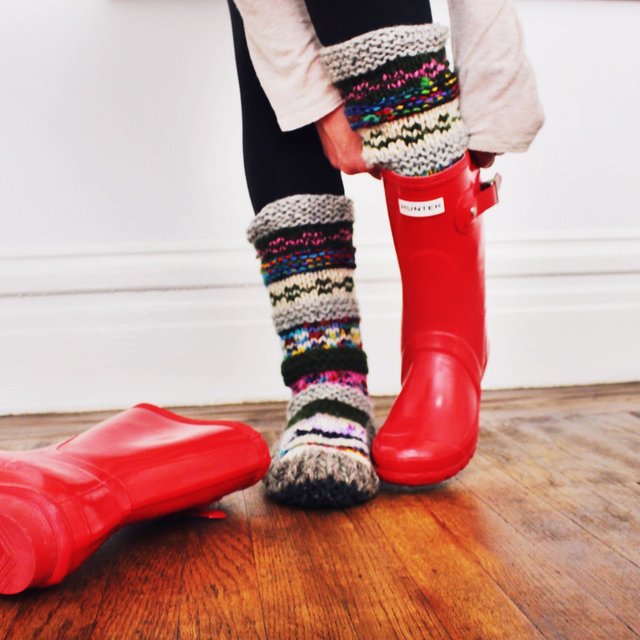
305 245
401 97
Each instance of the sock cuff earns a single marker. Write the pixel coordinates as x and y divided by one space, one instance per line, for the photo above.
412 147
370 50
299 210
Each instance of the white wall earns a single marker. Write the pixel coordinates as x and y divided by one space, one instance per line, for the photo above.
124 273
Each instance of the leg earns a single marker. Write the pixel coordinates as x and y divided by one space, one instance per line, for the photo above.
402 98
303 235
337 21
276 164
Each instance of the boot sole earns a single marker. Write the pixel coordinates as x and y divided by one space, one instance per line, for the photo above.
428 476
17 559
33 541
24 533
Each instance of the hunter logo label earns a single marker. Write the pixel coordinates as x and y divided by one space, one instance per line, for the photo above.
421 209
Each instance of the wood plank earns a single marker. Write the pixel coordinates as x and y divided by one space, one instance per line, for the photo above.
551 599
610 523
538 537
142 592
608 577
463 595
592 437
299 601
382 599
9 608
605 437
625 421
559 452
620 396
220 597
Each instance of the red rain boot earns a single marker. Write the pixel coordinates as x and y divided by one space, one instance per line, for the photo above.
60 503
432 430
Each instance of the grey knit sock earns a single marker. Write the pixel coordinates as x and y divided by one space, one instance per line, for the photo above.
323 457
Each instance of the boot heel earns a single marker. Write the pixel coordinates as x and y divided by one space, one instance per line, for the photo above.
28 549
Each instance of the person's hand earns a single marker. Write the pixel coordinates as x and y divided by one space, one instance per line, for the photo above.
483 159
342 145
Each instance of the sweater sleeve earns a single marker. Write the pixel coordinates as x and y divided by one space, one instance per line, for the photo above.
498 93
284 50
499 98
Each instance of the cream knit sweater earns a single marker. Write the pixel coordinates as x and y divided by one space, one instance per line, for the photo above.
499 98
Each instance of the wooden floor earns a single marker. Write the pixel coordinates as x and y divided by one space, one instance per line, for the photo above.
538 538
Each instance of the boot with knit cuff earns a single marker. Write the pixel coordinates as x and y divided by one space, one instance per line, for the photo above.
306 250
401 97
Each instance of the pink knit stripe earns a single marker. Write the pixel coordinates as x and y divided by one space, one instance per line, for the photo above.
346 378
394 81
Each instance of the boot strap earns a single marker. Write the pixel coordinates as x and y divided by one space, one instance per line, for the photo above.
484 199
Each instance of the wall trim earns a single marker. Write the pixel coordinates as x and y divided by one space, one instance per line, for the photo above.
167 267
193 327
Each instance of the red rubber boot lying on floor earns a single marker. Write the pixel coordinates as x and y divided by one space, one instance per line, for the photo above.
432 430
60 503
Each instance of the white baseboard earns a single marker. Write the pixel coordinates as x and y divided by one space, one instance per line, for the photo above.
206 265
194 327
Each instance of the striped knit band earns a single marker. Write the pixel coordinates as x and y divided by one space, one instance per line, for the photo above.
305 244
407 86
350 379
329 391
401 97
324 284
316 307
321 335
321 360
297 211
323 430
431 140
371 50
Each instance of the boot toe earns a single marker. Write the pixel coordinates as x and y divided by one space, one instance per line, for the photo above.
428 463
427 454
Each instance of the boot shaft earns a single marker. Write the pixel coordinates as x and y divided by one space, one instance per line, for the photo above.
438 237
60 503
154 452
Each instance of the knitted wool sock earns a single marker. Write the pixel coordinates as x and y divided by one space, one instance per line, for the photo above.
401 97
322 459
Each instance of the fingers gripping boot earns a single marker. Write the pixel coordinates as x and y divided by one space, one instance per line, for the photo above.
401 97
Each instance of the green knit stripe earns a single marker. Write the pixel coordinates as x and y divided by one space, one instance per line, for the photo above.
319 360
331 407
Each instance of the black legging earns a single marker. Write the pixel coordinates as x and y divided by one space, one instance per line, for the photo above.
279 164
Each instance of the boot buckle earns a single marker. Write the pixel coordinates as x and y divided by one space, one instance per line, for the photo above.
485 198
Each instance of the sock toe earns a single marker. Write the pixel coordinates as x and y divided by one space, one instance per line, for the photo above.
320 479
